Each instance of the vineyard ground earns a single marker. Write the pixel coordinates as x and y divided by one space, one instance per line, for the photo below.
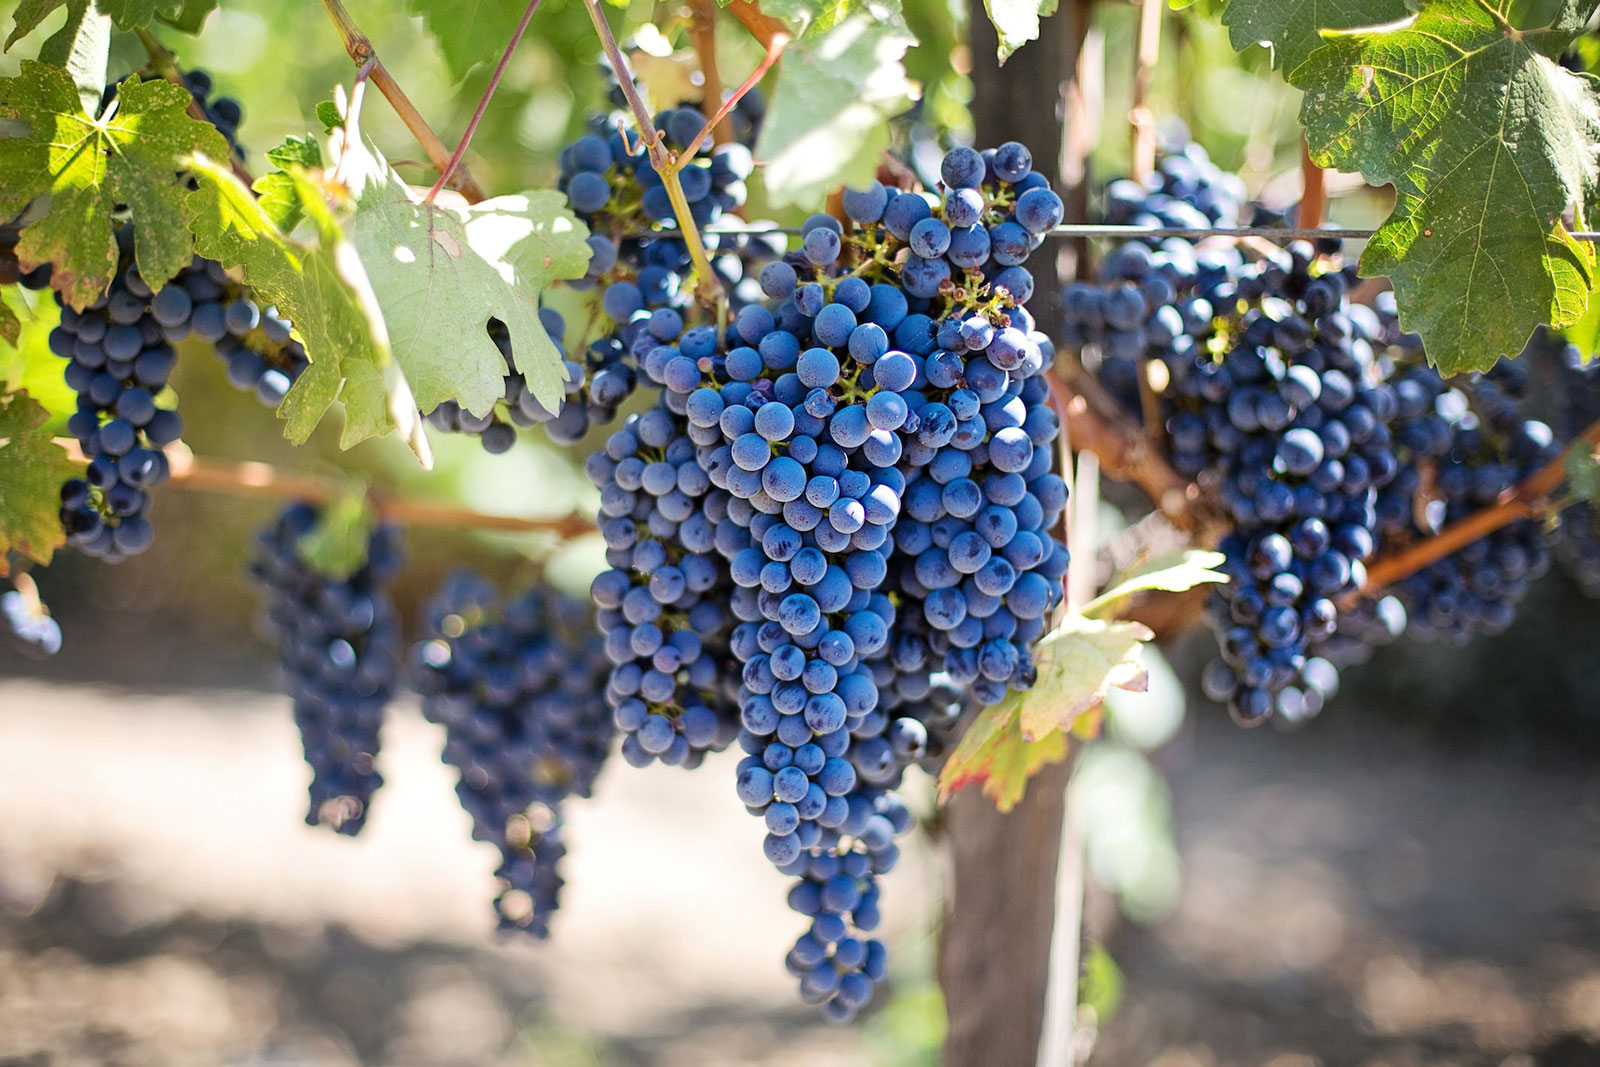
1355 895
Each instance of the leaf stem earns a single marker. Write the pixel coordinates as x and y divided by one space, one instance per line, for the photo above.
1314 190
707 289
265 482
359 47
164 62
483 102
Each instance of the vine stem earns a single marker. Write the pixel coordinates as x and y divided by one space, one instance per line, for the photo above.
1523 502
1141 120
706 287
359 47
483 102
263 481
164 62
703 31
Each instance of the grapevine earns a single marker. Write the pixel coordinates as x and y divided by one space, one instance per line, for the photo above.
829 451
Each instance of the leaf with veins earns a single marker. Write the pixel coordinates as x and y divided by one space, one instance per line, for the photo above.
442 270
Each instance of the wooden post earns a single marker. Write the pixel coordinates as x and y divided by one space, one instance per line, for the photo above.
995 957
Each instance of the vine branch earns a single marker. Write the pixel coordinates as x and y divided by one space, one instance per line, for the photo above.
1141 119
483 102
703 32
262 481
1523 502
359 47
707 289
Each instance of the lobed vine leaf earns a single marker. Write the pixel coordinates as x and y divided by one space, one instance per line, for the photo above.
323 289
90 167
10 325
827 124
32 470
1488 141
994 754
442 270
1016 22
1293 29
1078 662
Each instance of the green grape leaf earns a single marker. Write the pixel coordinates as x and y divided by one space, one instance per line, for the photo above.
1487 140
443 270
994 754
337 545
827 124
322 288
1293 28
1078 662
32 469
1171 572
1582 467
277 191
10 325
328 114
26 362
1016 22
91 166
468 31
27 17
188 16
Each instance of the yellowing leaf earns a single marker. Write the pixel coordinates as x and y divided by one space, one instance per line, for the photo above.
32 468
1077 662
441 271
994 754
322 288
1170 572
89 166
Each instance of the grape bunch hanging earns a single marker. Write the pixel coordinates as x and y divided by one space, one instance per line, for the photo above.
1323 435
829 520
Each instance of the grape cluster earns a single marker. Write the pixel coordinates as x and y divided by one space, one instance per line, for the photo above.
848 491
516 686
118 361
120 357
1476 444
1316 426
339 648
